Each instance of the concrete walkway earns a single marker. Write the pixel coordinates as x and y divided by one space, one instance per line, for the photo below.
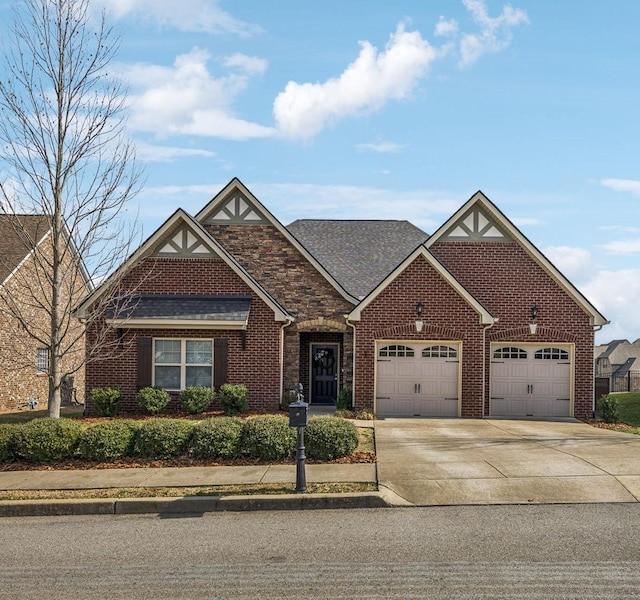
494 461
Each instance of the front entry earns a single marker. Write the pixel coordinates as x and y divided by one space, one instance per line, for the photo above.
324 373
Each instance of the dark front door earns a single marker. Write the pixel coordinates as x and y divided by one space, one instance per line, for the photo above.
324 373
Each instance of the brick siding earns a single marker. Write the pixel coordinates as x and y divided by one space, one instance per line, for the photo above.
508 282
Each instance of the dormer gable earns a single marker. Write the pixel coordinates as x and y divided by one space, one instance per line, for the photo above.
236 205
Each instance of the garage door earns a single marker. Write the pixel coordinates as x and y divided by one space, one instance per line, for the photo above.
417 380
530 381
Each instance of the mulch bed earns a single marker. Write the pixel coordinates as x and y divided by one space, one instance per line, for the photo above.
603 425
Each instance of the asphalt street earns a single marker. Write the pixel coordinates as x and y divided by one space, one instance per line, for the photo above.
542 551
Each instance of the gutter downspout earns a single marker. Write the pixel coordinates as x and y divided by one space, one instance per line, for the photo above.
484 362
290 320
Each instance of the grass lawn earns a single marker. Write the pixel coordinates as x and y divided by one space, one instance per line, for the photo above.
22 416
629 407
628 410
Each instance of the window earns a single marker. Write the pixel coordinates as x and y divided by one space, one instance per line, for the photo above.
552 354
510 352
439 352
398 351
182 363
42 361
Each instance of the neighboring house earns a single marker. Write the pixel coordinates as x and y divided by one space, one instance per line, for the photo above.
619 362
468 322
25 361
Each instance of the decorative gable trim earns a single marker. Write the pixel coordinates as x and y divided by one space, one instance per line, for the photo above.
236 209
485 316
237 203
480 204
476 225
176 228
184 242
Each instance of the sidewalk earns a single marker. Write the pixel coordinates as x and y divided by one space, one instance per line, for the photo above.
186 477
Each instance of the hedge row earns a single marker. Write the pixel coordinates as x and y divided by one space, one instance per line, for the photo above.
264 437
107 401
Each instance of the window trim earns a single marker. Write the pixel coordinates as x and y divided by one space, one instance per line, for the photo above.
183 360
47 358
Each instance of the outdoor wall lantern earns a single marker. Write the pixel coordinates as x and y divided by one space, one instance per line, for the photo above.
419 321
533 327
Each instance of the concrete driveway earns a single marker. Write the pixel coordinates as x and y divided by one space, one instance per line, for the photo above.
498 461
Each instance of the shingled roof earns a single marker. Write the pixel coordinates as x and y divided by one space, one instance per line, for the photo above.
358 254
19 234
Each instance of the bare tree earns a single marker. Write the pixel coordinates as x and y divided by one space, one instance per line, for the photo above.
65 155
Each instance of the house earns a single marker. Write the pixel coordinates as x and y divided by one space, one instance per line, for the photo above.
25 250
619 362
470 321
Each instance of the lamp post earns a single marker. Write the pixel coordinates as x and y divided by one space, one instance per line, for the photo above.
298 416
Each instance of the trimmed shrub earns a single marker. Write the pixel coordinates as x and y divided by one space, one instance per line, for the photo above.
364 414
152 400
268 437
163 438
6 441
107 401
327 438
608 408
47 440
108 441
343 402
196 399
233 398
217 438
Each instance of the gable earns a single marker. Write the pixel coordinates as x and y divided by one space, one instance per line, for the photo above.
182 237
480 222
484 316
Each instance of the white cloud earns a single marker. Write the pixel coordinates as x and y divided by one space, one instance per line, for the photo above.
426 209
446 27
151 153
616 294
187 100
623 185
381 147
186 15
576 264
622 246
374 78
252 65
495 33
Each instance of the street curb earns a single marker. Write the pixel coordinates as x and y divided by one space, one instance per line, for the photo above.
189 505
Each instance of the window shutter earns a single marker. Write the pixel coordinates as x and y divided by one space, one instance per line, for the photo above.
144 362
220 362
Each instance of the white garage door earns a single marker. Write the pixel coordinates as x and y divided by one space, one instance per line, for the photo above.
417 380
530 381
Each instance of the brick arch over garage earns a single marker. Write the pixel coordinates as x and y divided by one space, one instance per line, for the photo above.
408 331
523 334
